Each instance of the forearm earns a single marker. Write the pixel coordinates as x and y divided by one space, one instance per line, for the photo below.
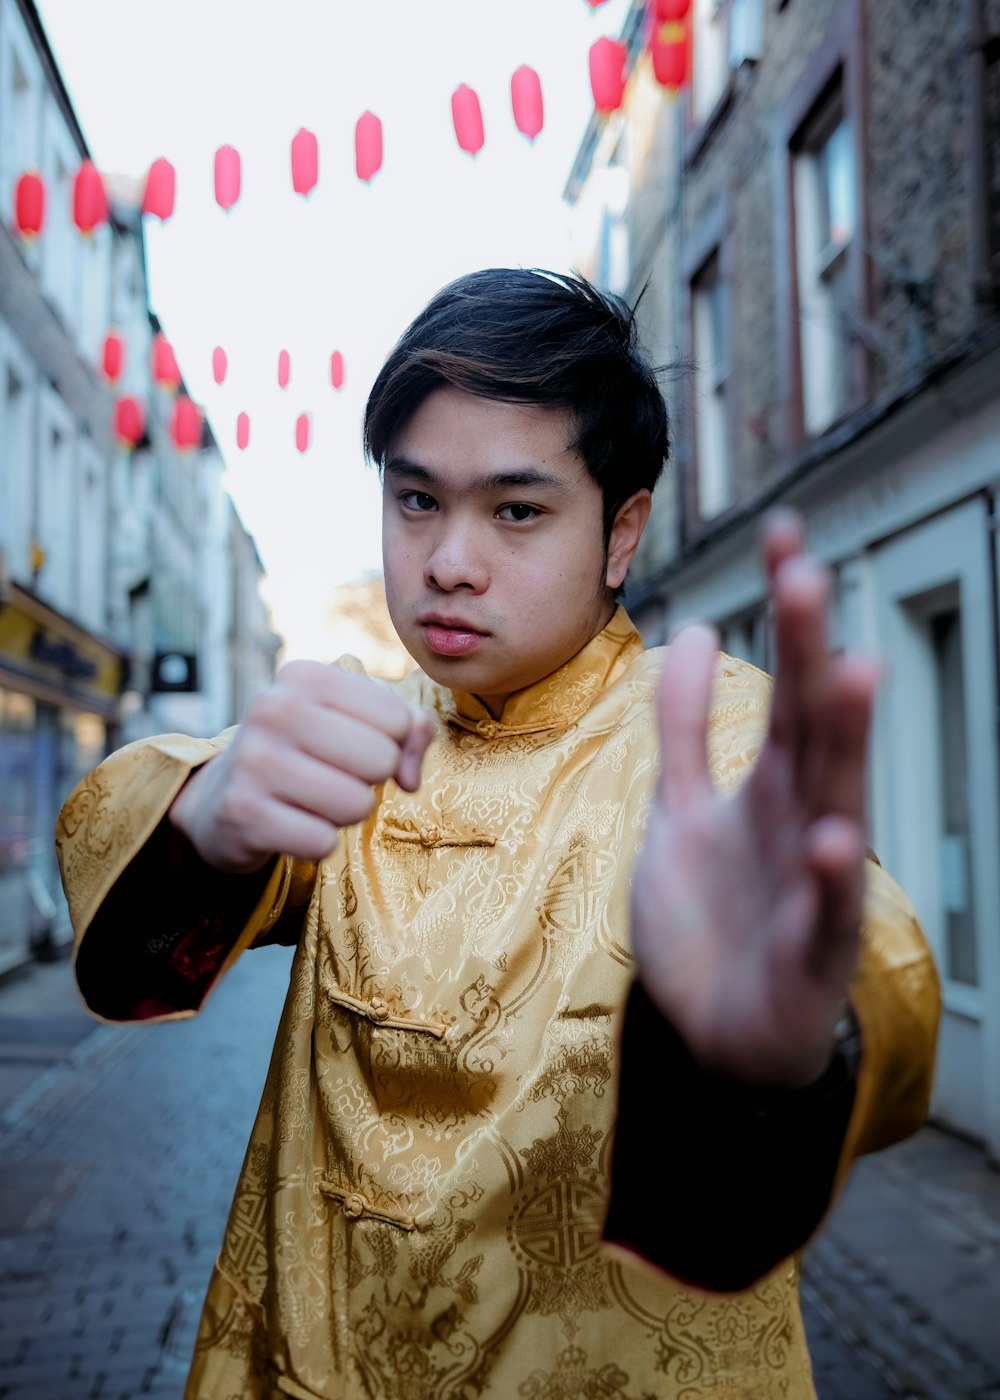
740 1177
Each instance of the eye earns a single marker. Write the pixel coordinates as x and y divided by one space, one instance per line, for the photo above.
518 513
417 500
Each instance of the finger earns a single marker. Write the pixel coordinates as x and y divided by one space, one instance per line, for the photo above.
297 833
835 851
838 785
296 779
783 537
340 741
358 696
801 593
683 702
411 756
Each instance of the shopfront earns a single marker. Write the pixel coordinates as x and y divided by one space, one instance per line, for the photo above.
59 716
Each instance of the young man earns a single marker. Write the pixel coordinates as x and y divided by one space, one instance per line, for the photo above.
586 936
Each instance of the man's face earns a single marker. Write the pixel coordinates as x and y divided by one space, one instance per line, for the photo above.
495 567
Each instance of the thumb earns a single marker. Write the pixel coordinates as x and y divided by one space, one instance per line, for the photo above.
414 746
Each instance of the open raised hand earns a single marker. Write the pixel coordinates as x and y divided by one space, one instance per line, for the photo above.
746 910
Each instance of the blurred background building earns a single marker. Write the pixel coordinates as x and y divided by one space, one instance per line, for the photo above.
818 222
129 596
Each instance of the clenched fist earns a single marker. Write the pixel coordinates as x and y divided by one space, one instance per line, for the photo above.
303 764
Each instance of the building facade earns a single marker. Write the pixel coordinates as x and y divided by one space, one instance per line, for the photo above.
818 221
112 562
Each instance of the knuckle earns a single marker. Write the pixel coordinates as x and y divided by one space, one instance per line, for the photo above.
265 710
356 802
318 843
299 675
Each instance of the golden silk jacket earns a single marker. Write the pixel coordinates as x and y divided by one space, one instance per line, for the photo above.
419 1212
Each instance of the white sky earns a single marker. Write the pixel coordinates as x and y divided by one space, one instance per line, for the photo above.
348 267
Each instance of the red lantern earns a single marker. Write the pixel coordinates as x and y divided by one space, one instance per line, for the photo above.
113 356
185 427
468 118
672 11
219 364
368 146
671 53
305 161
284 369
29 205
302 432
130 421
607 73
526 100
337 369
242 431
165 369
90 200
161 185
227 176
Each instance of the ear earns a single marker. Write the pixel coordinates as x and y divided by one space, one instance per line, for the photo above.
626 533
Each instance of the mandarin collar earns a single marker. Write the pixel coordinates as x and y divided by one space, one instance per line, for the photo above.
557 700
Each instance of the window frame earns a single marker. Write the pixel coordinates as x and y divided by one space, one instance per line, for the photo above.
711 240
836 65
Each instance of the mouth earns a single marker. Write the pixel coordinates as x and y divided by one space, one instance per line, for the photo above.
451 636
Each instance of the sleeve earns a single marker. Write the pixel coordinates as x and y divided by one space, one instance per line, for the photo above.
155 928
751 1174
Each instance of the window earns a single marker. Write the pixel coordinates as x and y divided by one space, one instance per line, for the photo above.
17 470
92 537
725 34
710 346
710 66
961 960
821 270
825 194
20 107
61 267
56 506
613 244
747 637
746 32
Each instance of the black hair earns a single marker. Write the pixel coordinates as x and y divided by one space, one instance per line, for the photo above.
534 337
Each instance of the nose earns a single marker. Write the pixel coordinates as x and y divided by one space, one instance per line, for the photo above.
456 563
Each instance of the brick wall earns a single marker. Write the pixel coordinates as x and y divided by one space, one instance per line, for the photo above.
917 194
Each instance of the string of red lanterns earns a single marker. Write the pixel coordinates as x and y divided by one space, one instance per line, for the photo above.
670 51
670 54
186 424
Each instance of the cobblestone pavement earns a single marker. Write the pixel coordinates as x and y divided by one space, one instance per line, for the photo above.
119 1149
117 1171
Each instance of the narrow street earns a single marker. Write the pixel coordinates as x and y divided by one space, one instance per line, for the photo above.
120 1148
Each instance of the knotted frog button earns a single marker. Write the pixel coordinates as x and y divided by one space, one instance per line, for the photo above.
354 1206
378 1008
487 728
430 835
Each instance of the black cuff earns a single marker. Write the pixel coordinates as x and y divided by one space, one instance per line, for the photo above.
715 1181
157 942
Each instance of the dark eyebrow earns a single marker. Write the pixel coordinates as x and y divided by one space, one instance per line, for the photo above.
495 481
